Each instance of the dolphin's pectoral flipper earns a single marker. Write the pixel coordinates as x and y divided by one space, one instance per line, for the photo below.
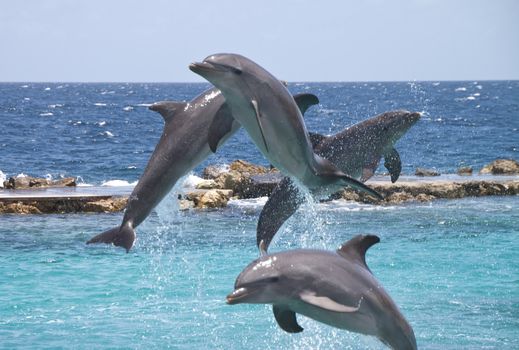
167 109
356 248
327 303
258 119
123 236
286 319
220 127
393 164
304 101
316 138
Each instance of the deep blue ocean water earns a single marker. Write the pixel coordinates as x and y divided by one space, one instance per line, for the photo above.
451 266
105 131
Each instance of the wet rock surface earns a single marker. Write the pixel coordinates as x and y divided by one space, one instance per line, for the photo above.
501 167
105 204
26 182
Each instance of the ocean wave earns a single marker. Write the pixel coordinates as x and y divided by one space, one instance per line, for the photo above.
47 114
118 183
143 104
107 134
460 89
128 109
56 105
100 104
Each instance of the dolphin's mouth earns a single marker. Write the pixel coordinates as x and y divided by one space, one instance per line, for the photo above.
200 67
238 295
207 66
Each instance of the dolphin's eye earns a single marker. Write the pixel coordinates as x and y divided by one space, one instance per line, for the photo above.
272 279
236 71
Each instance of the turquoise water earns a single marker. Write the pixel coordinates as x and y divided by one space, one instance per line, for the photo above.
451 266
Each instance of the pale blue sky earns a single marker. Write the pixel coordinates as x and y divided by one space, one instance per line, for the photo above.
338 40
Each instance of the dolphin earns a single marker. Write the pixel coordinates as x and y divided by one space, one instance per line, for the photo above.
267 111
335 288
356 151
192 131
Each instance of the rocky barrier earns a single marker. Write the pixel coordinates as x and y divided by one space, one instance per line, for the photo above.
244 180
61 205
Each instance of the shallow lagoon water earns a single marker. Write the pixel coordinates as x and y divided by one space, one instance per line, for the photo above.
451 266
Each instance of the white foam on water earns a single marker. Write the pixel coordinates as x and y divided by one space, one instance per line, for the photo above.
101 123
460 89
107 134
128 108
99 104
341 205
250 205
3 177
21 175
24 86
46 89
118 183
471 98
56 105
191 181
48 114
144 104
26 98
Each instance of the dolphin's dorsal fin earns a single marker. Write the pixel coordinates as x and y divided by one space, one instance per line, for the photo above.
220 126
356 248
258 119
304 101
316 138
393 163
286 319
167 109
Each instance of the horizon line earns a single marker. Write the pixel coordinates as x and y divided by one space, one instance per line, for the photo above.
293 82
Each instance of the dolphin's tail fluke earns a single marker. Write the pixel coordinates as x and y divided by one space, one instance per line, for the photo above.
327 170
357 185
123 236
